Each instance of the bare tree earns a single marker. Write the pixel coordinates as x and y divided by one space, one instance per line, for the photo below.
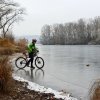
45 38
10 12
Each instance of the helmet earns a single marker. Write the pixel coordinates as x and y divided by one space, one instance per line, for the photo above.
34 40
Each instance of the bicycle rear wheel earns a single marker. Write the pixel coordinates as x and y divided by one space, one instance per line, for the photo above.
20 62
39 62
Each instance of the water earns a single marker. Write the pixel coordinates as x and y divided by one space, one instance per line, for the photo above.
66 68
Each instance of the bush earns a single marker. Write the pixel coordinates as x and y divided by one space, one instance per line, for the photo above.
9 36
6 43
22 44
7 48
5 75
6 51
95 91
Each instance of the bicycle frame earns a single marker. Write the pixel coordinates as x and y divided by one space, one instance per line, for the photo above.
27 56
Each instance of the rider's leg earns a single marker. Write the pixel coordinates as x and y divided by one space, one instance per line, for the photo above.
32 62
31 59
30 55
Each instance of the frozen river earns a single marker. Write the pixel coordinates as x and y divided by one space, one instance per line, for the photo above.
66 68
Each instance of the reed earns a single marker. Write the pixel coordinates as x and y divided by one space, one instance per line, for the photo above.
5 75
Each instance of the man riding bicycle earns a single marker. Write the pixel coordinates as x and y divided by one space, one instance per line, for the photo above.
23 61
32 52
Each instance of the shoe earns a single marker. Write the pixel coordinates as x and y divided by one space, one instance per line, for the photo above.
32 67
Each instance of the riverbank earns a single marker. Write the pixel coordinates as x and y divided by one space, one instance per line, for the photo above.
34 91
20 92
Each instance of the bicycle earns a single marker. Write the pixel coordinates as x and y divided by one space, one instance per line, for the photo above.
21 61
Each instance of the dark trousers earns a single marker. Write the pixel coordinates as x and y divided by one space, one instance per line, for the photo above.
31 56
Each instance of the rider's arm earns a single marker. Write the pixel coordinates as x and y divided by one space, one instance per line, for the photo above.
36 49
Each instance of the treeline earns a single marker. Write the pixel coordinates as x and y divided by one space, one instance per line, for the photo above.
72 33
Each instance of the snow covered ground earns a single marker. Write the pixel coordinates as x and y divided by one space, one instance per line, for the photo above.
36 87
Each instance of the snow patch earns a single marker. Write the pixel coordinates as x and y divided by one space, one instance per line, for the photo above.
36 87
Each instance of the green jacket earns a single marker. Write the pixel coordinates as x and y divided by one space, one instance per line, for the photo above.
31 48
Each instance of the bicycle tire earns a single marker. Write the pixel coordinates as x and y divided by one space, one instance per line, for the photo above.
38 61
19 62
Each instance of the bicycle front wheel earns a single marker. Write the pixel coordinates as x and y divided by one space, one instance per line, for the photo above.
39 62
20 62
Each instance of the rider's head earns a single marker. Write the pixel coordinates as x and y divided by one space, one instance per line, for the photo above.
34 40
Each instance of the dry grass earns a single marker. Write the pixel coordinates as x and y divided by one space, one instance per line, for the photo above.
95 91
6 43
22 44
8 48
9 36
6 51
5 75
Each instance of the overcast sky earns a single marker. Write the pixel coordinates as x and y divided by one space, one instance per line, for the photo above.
41 12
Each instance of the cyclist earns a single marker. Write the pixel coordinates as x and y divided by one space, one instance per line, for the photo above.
31 52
